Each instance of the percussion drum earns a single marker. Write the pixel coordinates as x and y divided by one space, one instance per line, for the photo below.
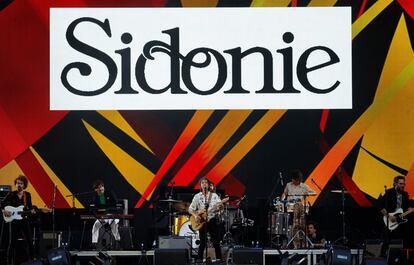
186 230
278 205
279 223
179 221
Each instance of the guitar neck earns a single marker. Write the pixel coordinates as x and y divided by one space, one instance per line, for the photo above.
406 213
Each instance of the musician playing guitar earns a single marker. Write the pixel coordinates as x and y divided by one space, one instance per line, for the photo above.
210 199
395 200
15 199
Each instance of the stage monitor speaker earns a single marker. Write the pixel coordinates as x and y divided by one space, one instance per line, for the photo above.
248 256
48 241
375 261
58 256
373 247
171 256
178 242
339 255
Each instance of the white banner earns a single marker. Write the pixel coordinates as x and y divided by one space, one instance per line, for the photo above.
200 58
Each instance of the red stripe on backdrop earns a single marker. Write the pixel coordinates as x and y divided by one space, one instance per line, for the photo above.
233 186
39 179
324 118
408 6
362 9
193 127
24 93
11 142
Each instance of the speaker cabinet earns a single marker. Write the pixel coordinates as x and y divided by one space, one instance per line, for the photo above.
177 242
48 241
248 256
339 255
172 256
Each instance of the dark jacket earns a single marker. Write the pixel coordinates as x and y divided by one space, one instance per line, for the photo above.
110 200
389 200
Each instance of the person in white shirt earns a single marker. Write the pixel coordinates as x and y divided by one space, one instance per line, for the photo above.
295 193
210 199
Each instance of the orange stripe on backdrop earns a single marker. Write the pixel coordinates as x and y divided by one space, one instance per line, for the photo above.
326 168
198 120
211 145
39 179
409 182
346 180
252 137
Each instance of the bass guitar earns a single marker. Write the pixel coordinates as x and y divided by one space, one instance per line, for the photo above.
17 213
202 213
399 214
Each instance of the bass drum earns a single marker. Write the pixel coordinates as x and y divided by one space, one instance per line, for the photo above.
186 230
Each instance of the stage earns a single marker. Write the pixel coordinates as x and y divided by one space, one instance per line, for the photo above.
255 255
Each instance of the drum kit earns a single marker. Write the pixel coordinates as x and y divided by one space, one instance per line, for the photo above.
286 222
231 217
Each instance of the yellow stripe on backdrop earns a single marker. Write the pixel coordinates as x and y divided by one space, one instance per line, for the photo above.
11 171
199 3
316 3
369 16
136 174
249 140
116 119
270 3
390 135
55 179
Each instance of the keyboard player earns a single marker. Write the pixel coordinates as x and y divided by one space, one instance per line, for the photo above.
104 201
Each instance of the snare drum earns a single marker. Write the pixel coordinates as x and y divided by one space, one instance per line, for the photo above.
186 230
279 223
179 221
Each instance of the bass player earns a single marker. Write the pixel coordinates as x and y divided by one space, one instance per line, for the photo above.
207 199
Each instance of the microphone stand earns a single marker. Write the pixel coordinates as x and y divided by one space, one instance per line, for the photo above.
206 205
53 216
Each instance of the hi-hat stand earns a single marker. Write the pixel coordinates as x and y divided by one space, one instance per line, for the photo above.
301 233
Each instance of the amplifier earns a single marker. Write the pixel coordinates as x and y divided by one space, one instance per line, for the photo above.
177 242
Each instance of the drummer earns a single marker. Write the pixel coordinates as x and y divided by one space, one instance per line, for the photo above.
296 189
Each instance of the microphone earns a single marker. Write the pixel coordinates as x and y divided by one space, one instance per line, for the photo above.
172 183
281 178
316 184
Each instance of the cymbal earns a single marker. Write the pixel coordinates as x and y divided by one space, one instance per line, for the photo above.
339 191
170 200
181 206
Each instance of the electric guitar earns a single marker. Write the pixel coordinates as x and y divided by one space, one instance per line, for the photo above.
17 213
399 214
202 213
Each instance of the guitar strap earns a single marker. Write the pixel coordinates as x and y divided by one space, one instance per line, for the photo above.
24 199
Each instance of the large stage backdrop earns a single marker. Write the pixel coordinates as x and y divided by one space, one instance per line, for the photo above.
137 152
